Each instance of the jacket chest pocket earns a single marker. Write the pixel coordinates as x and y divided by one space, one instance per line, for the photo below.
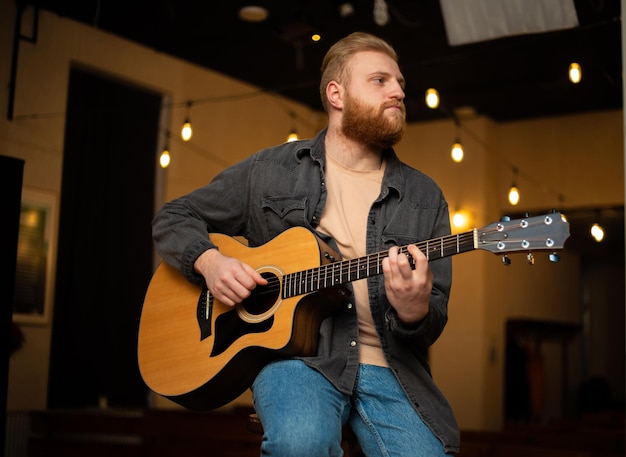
285 212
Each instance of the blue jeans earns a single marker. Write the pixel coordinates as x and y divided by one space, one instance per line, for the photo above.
303 414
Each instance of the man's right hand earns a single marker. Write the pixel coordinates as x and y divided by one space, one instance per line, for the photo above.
229 280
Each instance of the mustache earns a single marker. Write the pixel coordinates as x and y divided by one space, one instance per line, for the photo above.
395 105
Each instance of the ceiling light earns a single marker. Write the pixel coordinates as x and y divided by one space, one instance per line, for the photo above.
381 13
253 13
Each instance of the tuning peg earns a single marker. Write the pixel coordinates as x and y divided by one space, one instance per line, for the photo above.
506 261
526 214
531 258
505 218
554 257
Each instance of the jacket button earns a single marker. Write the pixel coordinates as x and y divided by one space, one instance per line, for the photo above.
352 343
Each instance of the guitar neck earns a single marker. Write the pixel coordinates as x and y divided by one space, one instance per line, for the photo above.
344 271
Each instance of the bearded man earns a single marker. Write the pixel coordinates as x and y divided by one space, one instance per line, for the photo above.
348 187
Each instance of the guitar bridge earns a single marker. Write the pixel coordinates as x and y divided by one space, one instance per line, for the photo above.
204 313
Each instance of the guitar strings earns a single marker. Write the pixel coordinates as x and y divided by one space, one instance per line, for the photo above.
313 279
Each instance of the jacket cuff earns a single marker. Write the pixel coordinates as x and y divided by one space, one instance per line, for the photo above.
395 325
190 255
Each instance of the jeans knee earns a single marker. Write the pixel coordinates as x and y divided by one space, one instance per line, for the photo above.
298 441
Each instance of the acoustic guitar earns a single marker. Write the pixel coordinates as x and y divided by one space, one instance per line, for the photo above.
202 354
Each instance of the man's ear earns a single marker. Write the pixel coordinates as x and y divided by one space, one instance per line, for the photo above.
334 94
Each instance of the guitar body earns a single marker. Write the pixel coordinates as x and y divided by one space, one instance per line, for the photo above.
201 353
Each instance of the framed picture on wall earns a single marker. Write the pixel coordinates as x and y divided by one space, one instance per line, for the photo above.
34 278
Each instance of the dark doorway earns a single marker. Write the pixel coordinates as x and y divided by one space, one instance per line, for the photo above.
105 248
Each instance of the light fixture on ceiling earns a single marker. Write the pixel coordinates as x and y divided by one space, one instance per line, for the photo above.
253 13
381 12
346 9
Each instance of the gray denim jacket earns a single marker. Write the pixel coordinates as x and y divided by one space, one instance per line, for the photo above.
284 186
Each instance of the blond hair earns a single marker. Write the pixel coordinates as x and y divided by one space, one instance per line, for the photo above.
334 65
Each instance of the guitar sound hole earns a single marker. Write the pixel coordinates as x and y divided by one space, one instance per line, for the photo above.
263 298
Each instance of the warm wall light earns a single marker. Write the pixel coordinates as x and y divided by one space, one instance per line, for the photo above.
164 160
457 151
597 232
432 98
575 73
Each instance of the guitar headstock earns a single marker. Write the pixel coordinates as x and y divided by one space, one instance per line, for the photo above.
541 233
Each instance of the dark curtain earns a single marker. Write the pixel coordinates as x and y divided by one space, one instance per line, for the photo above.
105 250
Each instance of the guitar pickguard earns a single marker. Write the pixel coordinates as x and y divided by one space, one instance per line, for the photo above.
229 327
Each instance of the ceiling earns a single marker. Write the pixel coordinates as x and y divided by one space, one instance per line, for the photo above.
511 78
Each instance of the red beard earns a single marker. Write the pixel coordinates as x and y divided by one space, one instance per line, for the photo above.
370 125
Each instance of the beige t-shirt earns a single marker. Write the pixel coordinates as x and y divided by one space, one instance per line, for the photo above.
350 197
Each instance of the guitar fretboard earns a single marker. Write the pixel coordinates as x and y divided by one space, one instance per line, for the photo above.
344 271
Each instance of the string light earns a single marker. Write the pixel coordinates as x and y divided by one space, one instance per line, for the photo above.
293 133
575 73
597 232
514 191
186 131
164 160
432 98
460 219
457 151
293 136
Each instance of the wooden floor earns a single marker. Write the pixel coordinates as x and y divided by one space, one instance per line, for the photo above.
177 433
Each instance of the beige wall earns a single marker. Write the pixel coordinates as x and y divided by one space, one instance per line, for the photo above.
577 156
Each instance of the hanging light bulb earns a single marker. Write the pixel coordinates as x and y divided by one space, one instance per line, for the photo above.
597 232
514 191
457 151
461 219
513 195
186 131
164 160
293 136
575 73
432 98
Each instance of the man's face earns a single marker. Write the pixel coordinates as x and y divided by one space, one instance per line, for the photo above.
374 111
